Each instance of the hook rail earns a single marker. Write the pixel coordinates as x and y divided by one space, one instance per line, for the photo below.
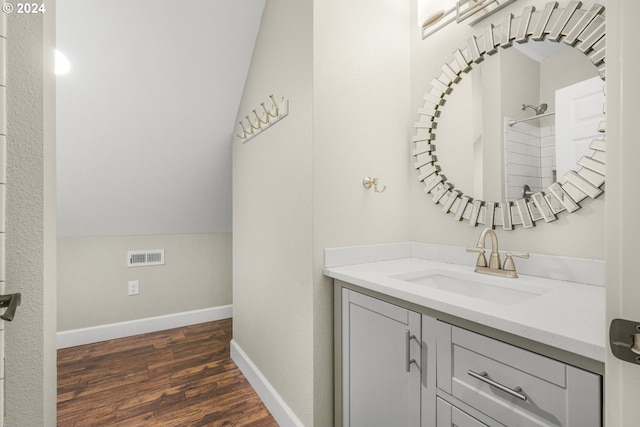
260 122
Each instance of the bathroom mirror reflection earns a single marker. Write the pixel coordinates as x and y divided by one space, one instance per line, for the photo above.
580 29
523 116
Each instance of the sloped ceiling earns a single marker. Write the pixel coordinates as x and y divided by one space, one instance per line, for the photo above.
145 117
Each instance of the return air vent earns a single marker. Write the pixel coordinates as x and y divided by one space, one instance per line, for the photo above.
145 258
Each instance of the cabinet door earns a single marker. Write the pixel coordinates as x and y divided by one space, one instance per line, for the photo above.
381 363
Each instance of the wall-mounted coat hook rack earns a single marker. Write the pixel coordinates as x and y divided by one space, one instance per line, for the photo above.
368 182
251 126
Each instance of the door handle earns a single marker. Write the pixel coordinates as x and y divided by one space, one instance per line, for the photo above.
624 339
10 301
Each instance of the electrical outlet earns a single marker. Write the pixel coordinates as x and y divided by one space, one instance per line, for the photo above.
134 287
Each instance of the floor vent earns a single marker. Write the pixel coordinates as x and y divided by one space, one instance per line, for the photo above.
145 258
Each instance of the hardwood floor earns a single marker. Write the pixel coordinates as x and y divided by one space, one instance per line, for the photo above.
179 377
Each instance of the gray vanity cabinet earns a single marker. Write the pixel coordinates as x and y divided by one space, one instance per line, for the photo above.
398 367
514 386
381 359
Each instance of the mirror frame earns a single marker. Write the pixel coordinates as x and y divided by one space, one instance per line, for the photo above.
583 29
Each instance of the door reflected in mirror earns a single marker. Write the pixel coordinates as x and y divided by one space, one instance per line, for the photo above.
523 116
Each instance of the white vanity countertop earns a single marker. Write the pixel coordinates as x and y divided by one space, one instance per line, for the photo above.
568 316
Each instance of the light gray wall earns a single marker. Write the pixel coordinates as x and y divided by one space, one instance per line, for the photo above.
93 270
563 70
456 153
30 388
145 121
273 210
145 116
298 185
360 107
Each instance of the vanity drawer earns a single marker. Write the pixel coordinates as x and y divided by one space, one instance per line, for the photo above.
514 386
448 415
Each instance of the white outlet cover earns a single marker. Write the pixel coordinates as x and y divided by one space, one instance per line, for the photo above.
134 287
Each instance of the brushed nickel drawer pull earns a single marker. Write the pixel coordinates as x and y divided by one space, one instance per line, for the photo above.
408 337
484 377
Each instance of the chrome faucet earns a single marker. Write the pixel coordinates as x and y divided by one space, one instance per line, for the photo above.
509 268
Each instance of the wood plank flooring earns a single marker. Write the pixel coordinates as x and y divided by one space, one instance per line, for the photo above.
180 377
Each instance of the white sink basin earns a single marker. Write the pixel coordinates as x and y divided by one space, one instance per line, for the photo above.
499 290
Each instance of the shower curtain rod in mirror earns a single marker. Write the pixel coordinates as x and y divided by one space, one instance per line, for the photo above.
513 122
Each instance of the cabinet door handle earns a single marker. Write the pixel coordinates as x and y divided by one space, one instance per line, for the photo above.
484 377
408 337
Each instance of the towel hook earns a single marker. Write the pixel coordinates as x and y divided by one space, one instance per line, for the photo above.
368 182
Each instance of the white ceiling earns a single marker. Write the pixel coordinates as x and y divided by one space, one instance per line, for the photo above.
541 50
146 115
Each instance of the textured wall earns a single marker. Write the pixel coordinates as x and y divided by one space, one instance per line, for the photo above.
30 338
3 182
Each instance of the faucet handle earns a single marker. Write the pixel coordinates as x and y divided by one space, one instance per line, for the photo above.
509 265
518 254
482 260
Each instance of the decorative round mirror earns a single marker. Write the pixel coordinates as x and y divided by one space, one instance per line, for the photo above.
530 174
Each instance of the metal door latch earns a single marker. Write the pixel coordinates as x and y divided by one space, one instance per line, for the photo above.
10 301
624 338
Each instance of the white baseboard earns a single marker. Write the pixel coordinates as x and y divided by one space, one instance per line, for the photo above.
111 331
283 415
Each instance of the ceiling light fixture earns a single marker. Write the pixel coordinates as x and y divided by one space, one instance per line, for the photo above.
432 11
434 15
62 64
